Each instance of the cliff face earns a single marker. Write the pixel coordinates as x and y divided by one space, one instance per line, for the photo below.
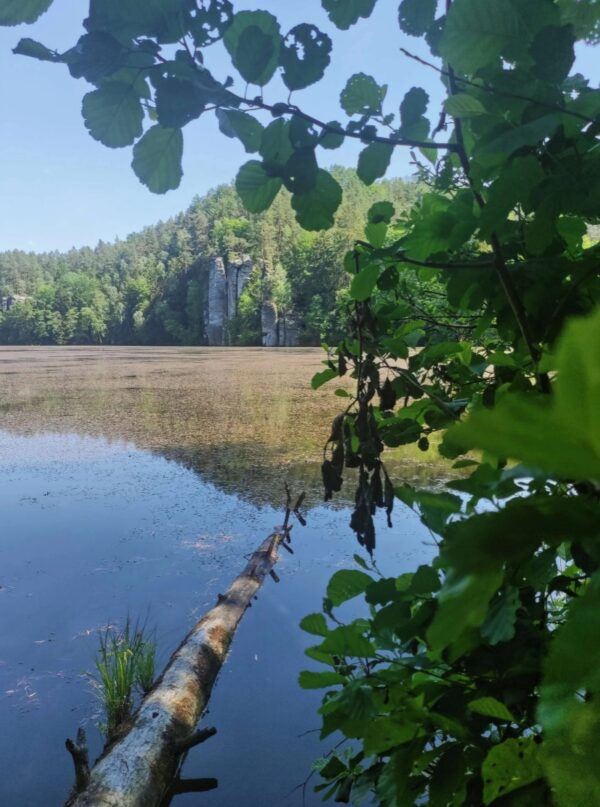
278 331
226 283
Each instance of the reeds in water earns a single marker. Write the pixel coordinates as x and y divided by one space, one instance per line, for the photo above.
125 667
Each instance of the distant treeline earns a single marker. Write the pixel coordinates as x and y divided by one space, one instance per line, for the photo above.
150 287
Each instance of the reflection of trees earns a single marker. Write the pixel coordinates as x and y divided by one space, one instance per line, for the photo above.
245 420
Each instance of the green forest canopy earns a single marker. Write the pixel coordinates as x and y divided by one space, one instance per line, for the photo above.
150 288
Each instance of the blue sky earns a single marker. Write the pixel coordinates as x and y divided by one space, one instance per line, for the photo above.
60 188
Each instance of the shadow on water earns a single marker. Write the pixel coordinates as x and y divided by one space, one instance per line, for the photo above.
144 501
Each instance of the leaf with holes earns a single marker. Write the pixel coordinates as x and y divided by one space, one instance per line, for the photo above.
416 16
16 12
253 41
362 95
305 54
344 13
510 766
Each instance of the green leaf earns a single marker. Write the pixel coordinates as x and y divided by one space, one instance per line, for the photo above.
96 55
211 21
499 625
384 733
178 102
323 377
15 12
433 228
157 159
319 680
29 47
569 710
246 128
416 16
345 13
275 145
561 436
463 105
463 603
509 766
528 134
478 33
364 282
301 171
490 707
554 53
415 125
113 114
332 139
425 581
315 624
253 41
316 209
373 162
376 234
305 54
516 181
256 188
381 212
362 95
129 19
347 640
347 584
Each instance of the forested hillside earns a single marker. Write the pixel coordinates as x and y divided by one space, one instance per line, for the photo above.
150 288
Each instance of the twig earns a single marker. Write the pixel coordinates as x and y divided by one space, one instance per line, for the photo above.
196 738
493 90
79 754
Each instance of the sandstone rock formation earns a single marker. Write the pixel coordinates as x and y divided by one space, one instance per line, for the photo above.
278 331
226 282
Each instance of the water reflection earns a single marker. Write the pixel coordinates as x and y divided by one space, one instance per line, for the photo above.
243 419
92 530
135 480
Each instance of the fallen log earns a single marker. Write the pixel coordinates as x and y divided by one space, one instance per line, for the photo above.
138 769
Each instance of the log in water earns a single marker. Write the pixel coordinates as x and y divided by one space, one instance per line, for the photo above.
137 771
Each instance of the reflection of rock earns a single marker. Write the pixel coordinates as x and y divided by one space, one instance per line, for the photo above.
278 331
226 282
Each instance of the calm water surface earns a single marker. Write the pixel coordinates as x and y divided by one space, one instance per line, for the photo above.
134 481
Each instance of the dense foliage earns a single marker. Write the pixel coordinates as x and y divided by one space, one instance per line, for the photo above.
475 679
151 288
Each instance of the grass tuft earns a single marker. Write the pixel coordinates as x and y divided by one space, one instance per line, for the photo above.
125 661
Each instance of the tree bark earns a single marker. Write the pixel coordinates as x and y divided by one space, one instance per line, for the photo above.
137 770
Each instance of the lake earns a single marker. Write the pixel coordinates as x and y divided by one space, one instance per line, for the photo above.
134 481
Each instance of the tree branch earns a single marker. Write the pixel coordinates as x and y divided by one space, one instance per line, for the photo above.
290 109
495 91
506 282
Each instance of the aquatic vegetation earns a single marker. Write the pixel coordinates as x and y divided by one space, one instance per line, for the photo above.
125 663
